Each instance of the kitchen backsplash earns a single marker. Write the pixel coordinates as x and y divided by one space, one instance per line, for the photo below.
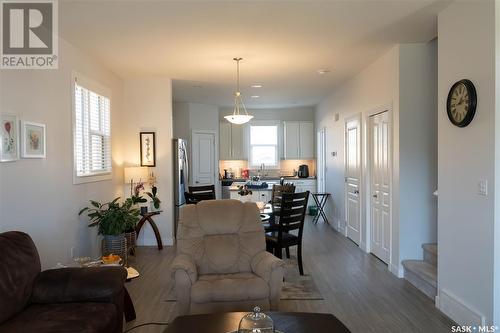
286 168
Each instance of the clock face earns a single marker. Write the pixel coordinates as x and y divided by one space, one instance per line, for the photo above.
461 104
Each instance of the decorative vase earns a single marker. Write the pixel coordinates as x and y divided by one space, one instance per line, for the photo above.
112 244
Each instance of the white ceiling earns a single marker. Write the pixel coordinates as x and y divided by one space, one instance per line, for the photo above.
283 43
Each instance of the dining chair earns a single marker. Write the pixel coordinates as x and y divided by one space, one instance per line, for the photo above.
190 198
275 201
277 192
290 218
203 192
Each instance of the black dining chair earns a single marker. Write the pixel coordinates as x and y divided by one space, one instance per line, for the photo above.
203 192
277 192
290 217
190 198
275 202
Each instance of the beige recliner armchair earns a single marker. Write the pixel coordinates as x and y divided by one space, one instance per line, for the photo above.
221 263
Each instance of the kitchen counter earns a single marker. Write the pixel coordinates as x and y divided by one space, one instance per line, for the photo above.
240 180
268 188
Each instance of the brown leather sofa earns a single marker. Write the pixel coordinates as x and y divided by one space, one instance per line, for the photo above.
222 263
56 300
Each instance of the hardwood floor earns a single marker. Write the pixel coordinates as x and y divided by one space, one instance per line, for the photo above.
357 288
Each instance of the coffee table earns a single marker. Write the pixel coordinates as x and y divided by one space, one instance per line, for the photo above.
288 322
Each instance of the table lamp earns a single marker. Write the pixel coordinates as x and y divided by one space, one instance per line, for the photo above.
134 175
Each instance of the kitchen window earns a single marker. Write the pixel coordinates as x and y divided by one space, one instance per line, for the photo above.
264 145
91 133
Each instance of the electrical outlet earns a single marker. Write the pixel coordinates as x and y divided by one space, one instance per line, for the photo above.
482 187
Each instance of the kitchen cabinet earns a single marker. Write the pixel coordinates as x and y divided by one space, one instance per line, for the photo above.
291 140
306 142
298 137
232 142
225 141
303 185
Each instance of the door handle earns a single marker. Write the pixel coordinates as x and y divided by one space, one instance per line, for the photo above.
356 192
197 182
375 196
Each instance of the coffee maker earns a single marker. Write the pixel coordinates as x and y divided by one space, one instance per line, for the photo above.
303 171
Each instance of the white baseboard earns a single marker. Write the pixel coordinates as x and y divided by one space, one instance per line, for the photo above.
457 310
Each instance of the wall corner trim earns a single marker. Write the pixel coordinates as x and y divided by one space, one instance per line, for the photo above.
397 270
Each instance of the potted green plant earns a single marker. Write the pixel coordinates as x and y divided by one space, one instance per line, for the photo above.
155 201
112 220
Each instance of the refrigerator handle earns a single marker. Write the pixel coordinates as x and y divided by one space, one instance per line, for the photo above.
186 166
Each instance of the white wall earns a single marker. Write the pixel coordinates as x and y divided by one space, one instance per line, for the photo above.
417 148
148 107
180 114
374 87
391 82
38 195
466 221
194 116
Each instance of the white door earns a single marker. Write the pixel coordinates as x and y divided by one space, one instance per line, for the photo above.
306 140
380 185
353 178
321 160
203 158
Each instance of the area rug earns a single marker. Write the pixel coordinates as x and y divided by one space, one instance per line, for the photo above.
296 287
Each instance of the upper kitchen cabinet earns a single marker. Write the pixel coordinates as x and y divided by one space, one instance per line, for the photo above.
232 143
225 150
298 140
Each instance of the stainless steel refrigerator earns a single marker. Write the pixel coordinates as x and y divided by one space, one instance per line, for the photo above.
181 177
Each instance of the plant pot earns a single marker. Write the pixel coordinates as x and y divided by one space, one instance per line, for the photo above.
131 237
112 244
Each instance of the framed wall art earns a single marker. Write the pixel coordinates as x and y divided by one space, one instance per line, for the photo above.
32 140
148 149
9 137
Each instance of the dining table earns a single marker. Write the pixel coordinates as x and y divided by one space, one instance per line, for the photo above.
268 214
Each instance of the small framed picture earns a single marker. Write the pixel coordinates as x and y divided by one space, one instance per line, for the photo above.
9 137
148 149
32 140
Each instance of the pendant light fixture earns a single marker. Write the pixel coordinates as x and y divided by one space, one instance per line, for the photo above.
240 114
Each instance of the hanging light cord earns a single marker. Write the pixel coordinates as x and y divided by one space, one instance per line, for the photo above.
237 96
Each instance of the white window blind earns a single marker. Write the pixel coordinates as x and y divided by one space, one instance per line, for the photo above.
92 134
264 145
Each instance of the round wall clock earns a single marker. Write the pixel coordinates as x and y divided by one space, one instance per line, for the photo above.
461 103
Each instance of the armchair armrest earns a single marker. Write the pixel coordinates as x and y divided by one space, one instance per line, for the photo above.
264 264
183 262
272 270
90 284
185 275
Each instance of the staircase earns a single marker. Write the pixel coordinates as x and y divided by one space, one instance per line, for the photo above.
423 273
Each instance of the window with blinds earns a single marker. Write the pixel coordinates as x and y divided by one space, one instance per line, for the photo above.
92 135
